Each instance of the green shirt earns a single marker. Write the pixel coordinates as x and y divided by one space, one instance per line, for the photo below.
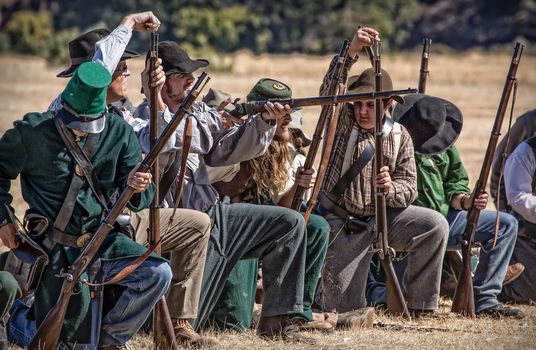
34 150
439 178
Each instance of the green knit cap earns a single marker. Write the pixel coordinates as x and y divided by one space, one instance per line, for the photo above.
85 93
267 88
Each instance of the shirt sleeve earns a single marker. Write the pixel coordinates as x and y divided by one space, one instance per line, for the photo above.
245 142
456 180
108 50
140 124
324 88
518 172
403 190
12 162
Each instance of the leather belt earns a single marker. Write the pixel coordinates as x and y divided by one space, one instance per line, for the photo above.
56 236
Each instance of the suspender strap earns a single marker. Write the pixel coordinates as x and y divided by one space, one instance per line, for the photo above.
169 176
359 163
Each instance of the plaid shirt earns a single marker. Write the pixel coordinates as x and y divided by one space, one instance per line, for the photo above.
358 198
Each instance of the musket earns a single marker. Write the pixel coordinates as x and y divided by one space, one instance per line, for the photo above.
464 301
326 113
424 72
163 334
396 303
254 107
48 333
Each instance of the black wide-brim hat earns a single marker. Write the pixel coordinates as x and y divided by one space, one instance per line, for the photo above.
433 123
82 49
176 61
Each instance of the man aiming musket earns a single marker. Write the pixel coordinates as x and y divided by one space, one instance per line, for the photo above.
349 204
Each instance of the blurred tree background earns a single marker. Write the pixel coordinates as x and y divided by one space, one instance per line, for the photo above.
209 27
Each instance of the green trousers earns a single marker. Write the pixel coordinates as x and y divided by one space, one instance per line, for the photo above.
9 292
235 305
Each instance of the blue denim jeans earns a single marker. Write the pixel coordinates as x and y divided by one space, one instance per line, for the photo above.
144 287
493 263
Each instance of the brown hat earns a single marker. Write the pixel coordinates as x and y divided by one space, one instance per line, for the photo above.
365 83
176 60
214 98
433 123
82 49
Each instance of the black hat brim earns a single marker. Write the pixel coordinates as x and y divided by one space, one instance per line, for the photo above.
188 67
443 139
67 73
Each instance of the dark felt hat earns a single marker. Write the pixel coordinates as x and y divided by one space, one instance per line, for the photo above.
82 49
433 123
176 60
365 83
84 98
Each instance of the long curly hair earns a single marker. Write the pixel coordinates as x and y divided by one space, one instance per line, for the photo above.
270 171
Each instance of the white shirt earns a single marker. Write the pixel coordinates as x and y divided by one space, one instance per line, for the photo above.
518 173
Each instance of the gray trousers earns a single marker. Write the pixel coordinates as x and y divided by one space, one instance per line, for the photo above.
245 231
186 240
420 232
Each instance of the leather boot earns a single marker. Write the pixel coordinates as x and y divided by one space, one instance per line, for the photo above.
186 336
356 319
280 327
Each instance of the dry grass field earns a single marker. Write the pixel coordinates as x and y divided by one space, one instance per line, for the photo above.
473 81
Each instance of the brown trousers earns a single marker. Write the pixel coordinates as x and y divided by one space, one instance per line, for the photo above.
186 241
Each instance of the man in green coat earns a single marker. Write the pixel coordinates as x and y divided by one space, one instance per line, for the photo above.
57 193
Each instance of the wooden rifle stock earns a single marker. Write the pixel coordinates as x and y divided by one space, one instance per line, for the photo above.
48 333
424 72
163 334
325 114
396 303
249 108
463 302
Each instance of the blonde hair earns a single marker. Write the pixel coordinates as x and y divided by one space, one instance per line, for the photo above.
269 171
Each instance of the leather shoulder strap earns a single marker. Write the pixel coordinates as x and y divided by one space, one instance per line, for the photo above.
82 159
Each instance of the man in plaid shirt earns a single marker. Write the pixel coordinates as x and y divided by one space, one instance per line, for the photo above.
420 232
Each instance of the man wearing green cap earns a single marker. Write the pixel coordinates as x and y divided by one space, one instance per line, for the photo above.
271 179
239 230
349 207
60 198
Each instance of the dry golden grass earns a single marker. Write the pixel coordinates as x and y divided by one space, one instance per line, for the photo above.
473 81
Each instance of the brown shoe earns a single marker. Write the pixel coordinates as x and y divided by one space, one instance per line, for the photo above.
513 272
186 336
357 319
280 327
314 325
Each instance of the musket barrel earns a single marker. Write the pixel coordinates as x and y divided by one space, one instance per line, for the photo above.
258 106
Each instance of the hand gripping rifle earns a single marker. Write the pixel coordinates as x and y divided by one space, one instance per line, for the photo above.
424 72
395 299
164 336
327 123
464 301
49 331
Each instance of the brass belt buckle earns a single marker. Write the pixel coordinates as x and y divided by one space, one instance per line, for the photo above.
82 240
